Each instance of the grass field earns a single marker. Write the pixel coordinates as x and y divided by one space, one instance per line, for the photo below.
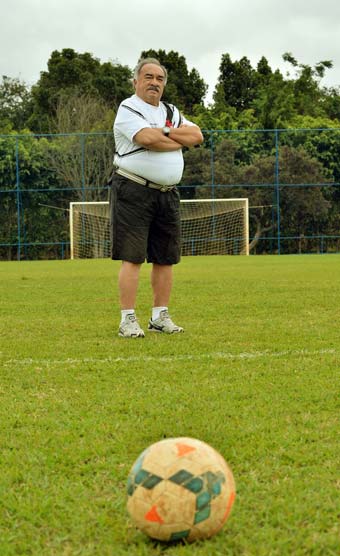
256 375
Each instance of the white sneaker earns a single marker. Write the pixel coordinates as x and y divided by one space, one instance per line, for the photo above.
164 324
130 328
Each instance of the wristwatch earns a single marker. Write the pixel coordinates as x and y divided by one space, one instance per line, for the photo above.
166 130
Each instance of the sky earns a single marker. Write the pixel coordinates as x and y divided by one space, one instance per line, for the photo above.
200 30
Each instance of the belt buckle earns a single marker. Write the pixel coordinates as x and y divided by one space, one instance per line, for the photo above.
164 188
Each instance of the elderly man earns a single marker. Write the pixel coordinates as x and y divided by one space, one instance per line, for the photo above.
149 136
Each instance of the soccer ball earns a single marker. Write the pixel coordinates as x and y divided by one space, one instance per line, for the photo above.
180 488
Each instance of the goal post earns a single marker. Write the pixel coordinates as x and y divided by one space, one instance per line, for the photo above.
209 227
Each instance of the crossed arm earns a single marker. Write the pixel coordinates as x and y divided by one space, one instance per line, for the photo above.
183 136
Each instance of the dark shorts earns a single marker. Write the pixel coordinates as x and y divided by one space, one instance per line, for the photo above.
145 223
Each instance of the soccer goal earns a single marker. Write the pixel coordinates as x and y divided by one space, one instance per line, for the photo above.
209 227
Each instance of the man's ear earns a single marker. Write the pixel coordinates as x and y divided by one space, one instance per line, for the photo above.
134 83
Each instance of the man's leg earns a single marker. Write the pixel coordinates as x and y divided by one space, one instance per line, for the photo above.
128 285
161 281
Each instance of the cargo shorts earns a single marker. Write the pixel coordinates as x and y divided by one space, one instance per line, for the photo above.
145 223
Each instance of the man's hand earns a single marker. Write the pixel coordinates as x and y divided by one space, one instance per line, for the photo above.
183 136
154 139
186 135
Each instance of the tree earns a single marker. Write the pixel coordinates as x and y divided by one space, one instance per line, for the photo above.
15 104
184 88
82 114
71 73
24 216
331 102
308 95
275 99
303 210
237 83
274 104
320 137
81 157
264 70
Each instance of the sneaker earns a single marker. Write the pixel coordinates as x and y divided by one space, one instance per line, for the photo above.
164 324
130 328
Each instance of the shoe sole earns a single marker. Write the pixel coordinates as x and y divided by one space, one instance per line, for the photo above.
132 335
164 331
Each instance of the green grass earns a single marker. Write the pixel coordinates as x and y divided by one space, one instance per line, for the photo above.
256 375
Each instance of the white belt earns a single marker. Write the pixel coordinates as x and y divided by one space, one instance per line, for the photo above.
143 181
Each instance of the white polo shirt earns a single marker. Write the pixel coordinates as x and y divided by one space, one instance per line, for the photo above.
165 168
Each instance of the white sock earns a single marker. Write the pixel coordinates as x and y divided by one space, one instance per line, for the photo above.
126 312
156 311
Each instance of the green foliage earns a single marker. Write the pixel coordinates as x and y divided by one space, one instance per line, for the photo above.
70 73
81 164
82 114
264 70
322 141
237 83
37 183
275 100
331 102
209 118
274 104
80 94
310 206
308 96
15 104
244 97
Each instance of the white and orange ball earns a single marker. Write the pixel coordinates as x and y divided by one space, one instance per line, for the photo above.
180 488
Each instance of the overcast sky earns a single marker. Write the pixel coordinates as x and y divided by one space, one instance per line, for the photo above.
200 30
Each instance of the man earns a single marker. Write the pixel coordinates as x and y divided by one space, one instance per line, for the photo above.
149 137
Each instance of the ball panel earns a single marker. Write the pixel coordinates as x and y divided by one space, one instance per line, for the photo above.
149 495
161 455
193 466
230 504
175 505
153 515
144 479
173 532
137 508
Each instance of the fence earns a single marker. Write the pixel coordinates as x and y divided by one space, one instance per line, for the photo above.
291 178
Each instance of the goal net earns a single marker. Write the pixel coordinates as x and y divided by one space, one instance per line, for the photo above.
209 227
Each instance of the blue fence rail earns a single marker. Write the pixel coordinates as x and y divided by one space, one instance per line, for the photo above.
291 177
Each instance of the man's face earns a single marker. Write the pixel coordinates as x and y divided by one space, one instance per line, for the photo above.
150 84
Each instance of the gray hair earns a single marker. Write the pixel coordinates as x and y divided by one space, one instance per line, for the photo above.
145 61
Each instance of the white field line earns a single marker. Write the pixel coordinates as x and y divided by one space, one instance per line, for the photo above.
168 358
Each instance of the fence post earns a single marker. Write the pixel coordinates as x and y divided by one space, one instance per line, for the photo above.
212 165
82 142
277 190
17 174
